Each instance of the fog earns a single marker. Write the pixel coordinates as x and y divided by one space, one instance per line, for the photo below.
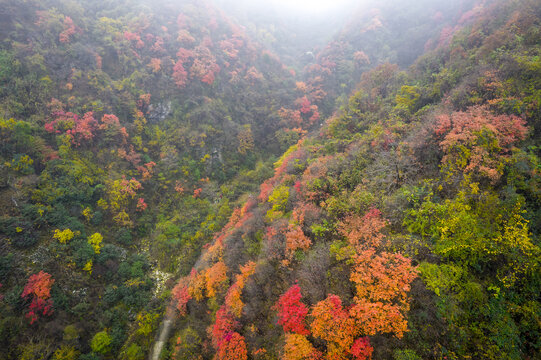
320 8
289 26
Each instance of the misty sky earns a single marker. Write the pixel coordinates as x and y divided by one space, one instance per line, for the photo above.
309 6
294 8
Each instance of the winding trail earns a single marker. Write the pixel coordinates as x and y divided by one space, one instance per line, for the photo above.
167 324
165 329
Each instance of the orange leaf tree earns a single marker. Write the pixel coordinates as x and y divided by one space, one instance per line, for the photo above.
297 347
334 324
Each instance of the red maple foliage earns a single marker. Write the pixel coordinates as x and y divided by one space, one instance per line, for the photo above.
265 190
233 299
99 61
133 37
181 295
111 125
291 311
382 279
232 347
204 66
38 288
180 76
79 129
132 156
184 54
295 239
197 193
224 325
361 349
141 205
158 45
479 141
69 30
304 105
229 47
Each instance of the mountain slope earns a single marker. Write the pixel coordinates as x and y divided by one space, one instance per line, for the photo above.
407 228
354 210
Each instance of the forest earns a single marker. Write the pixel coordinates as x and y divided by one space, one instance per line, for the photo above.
235 180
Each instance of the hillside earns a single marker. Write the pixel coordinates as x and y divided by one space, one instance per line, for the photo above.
406 228
178 162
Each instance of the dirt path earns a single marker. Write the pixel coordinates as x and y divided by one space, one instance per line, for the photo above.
165 329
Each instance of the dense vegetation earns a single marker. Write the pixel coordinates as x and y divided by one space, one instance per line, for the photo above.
351 209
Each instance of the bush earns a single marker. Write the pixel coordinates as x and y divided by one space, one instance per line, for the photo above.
405 355
5 267
101 343
124 236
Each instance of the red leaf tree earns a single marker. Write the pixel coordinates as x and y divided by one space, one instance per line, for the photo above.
233 347
69 30
292 312
478 141
38 289
229 344
79 129
361 349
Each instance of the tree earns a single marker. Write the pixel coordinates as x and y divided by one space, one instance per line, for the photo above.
295 240
180 76
382 279
246 139
121 193
297 347
78 129
101 343
477 141
278 199
232 347
224 325
38 288
63 236
66 352
361 349
291 311
155 65
233 299
95 241
69 30
215 278
112 128
364 232
335 325
182 295
204 66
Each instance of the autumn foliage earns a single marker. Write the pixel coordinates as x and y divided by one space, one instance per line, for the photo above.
292 312
215 278
69 30
38 290
229 344
79 129
297 347
232 347
233 299
334 324
181 295
361 349
382 279
295 240
478 141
